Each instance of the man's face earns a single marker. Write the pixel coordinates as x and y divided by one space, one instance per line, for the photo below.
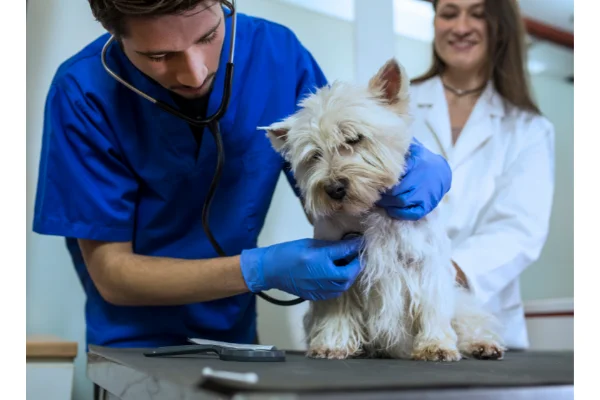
180 52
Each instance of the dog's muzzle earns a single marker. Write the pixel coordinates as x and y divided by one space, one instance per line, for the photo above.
337 189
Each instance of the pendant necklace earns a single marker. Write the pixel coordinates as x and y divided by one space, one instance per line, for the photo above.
462 92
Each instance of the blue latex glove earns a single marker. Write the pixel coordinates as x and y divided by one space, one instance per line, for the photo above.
426 180
304 268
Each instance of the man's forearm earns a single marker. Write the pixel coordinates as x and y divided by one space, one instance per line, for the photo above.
142 280
136 280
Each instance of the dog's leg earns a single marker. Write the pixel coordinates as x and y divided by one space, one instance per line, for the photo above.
334 327
476 329
384 292
436 339
388 327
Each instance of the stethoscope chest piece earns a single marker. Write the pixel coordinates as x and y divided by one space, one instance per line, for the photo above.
351 235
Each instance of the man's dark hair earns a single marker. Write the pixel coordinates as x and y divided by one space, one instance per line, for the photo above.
112 14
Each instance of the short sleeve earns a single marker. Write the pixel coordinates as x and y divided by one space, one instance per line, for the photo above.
85 188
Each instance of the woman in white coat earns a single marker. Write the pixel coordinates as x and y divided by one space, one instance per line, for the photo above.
474 107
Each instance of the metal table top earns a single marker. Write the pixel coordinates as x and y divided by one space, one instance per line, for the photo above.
128 374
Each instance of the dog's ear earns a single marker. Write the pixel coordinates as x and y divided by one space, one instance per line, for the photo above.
276 133
391 82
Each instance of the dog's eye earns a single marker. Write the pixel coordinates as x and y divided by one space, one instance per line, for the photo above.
315 156
355 140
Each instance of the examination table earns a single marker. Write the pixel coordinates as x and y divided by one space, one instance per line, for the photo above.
127 374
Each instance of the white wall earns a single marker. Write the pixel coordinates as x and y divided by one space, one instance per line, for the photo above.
552 276
55 30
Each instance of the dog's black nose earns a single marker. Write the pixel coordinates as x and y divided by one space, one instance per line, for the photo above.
337 190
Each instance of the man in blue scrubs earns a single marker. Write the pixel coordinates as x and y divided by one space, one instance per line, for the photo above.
124 182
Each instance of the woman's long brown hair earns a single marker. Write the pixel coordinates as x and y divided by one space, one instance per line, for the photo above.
506 54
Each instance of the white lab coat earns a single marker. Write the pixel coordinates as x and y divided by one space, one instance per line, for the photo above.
498 208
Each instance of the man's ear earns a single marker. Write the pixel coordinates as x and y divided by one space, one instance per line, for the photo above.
277 133
390 83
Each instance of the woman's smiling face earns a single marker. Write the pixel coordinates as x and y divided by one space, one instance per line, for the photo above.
461 38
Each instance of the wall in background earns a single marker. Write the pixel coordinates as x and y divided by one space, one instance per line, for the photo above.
58 28
552 276
55 30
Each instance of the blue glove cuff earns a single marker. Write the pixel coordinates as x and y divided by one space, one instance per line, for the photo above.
252 269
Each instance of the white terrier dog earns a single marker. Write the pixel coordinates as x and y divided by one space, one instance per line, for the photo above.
346 145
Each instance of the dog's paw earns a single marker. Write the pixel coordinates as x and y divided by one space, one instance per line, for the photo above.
435 352
332 354
483 350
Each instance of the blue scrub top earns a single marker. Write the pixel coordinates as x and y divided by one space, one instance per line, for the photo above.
115 167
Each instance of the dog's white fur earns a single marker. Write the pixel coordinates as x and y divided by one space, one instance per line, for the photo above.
405 303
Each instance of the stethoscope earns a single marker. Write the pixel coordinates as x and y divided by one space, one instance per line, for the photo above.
213 125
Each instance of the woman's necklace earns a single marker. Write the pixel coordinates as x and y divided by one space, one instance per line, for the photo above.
461 92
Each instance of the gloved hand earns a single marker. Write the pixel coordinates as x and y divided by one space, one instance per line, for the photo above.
426 180
305 268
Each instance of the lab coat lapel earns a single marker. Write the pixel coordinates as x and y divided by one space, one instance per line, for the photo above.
481 125
431 101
